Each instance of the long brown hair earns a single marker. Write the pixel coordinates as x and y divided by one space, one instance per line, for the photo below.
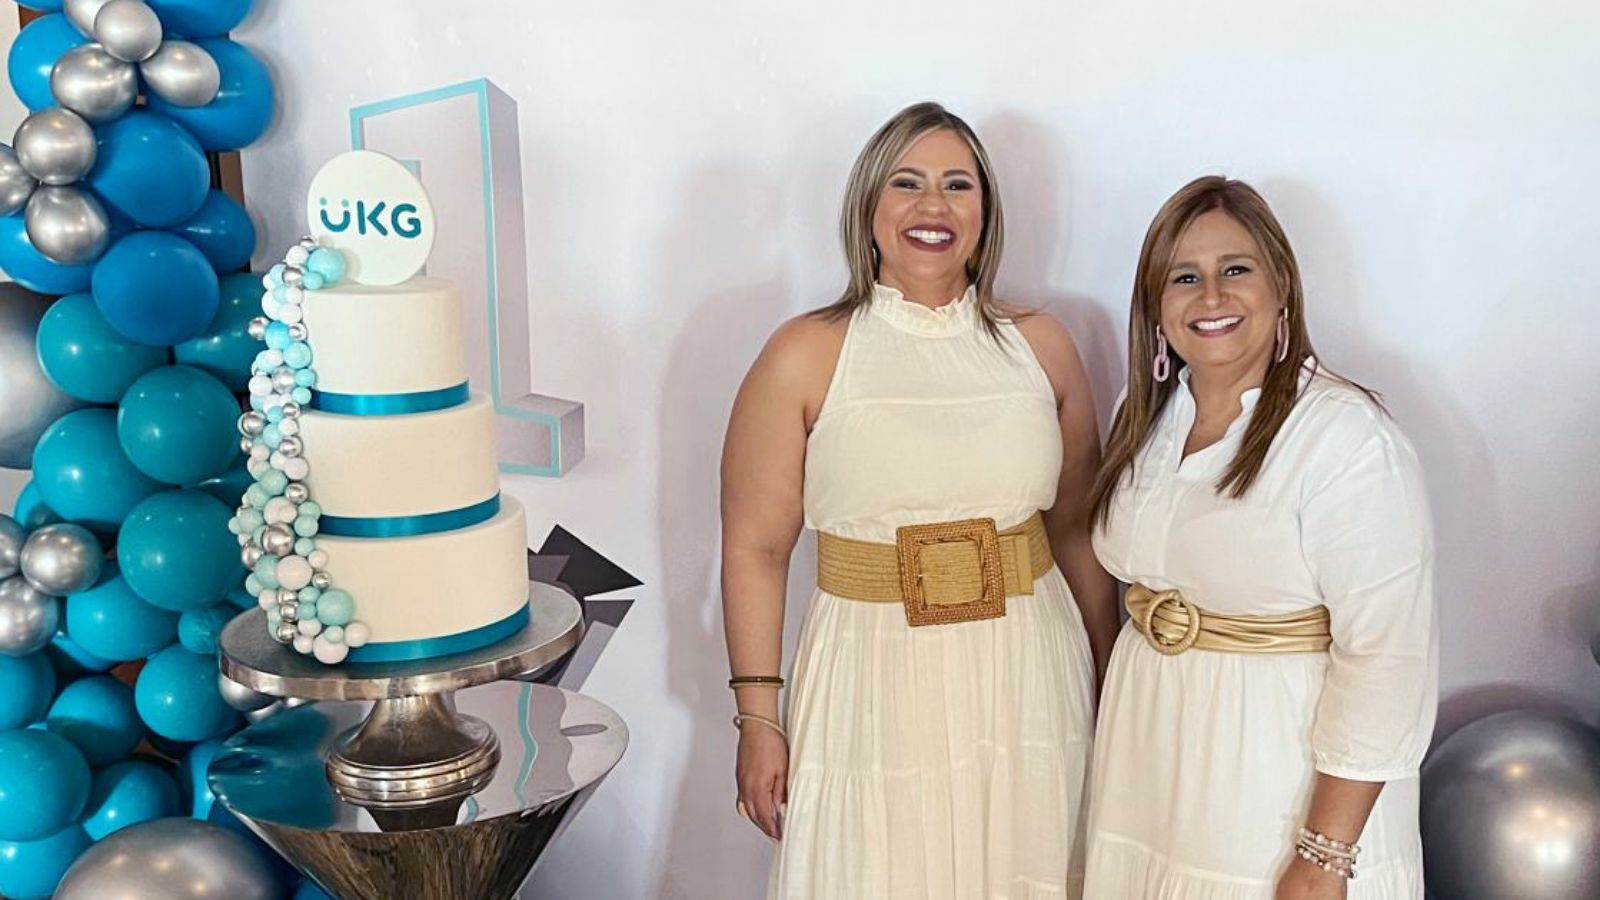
1146 397
867 179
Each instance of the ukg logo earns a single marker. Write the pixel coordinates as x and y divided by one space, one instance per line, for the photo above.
366 217
374 210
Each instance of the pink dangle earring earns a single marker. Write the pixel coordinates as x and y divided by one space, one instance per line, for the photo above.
1283 334
1163 365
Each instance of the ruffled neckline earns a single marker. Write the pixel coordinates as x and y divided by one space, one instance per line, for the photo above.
955 317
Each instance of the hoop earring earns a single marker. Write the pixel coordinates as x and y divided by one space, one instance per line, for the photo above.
1163 364
1283 335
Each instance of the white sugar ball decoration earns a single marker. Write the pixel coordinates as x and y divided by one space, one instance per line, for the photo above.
271 359
271 308
303 643
257 468
290 313
329 653
297 469
260 386
288 427
280 510
260 452
296 256
294 295
356 634
277 459
294 572
311 627
318 559
267 600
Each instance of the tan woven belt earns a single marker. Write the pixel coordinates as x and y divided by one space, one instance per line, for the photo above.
1172 625
944 572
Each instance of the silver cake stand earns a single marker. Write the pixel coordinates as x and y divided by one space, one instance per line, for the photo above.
409 795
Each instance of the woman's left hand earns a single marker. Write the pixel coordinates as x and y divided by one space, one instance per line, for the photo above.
1304 881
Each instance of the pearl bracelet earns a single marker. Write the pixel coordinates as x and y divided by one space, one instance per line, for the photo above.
1329 855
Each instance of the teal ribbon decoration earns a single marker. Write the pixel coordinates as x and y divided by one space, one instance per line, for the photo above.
389 404
429 648
410 526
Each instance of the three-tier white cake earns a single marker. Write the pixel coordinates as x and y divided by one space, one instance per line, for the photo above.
375 530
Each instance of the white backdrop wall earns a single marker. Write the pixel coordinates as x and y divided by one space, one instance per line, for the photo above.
1434 163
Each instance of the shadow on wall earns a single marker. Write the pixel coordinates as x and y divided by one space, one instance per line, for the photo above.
723 256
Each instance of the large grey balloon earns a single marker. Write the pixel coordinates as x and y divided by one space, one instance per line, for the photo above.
28 401
170 859
128 30
55 145
12 534
1511 808
16 185
28 617
182 74
67 224
93 83
240 697
81 13
62 559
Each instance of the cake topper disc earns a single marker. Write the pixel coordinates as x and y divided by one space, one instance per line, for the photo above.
371 208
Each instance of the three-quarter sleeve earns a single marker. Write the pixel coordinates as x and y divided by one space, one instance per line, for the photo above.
1368 539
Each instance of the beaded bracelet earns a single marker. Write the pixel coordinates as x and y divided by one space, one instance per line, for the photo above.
1329 855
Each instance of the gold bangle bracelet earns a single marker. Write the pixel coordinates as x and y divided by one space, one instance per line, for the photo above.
740 719
739 681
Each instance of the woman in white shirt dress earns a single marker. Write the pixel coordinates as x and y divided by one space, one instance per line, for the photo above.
942 446
1269 703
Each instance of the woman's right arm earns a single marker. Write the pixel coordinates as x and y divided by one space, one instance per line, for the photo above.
763 464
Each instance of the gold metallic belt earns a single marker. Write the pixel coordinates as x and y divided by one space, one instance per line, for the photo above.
1172 625
943 572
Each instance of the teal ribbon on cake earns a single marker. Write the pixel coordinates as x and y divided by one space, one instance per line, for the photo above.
429 648
389 404
410 526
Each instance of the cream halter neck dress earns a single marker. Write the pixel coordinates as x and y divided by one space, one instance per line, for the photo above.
941 762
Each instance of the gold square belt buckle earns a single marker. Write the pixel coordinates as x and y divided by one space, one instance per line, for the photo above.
911 540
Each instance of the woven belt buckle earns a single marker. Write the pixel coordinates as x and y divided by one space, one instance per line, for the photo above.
910 540
1191 633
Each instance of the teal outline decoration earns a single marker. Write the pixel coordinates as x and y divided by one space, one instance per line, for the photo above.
478 88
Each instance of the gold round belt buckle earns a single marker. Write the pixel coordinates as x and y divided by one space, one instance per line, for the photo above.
1191 632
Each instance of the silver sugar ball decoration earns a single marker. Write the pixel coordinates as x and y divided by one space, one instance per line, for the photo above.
250 555
293 277
289 612
283 380
321 581
277 540
308 242
291 410
291 447
285 633
297 493
245 444
298 332
252 423
258 328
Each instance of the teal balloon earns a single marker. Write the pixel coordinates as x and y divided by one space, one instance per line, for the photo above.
225 349
34 52
83 473
83 355
177 424
96 714
155 288
199 629
31 870
128 793
177 697
309 891
194 790
198 18
26 685
230 486
44 784
176 552
243 106
223 232
31 509
31 269
149 170
111 622
72 661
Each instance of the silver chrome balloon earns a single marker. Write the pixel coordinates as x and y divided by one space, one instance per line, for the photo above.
55 145
81 13
66 224
28 401
12 536
128 29
1511 808
16 185
93 83
62 559
28 617
182 74
240 697
170 859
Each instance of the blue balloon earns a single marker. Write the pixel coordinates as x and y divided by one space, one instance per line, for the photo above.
111 622
198 18
83 355
128 793
82 472
26 685
31 870
176 552
31 510
194 790
44 784
199 629
178 425
310 891
223 232
32 270
34 54
178 699
149 169
155 288
226 349
242 108
72 661
96 714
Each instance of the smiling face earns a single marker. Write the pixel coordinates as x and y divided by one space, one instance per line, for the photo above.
929 218
1220 303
